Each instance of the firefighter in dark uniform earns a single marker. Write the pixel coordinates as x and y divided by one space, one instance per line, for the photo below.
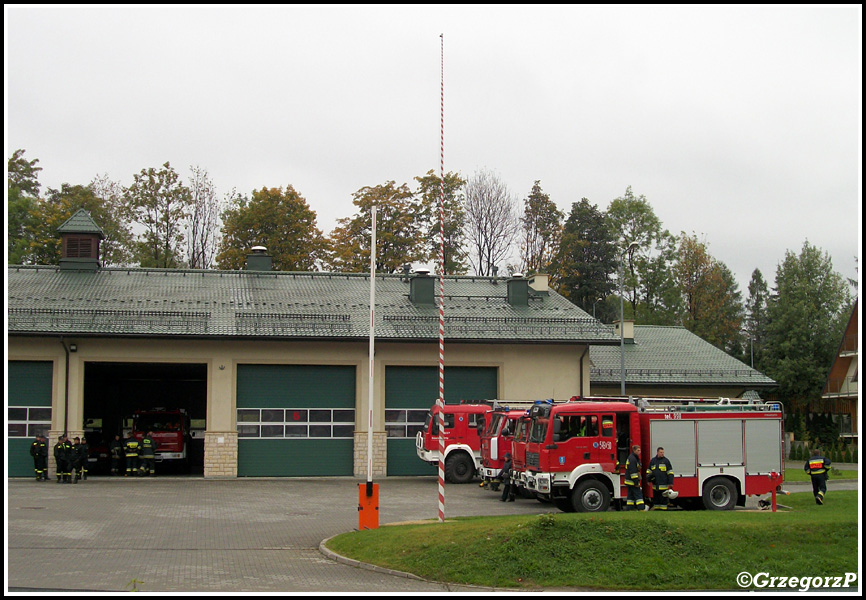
116 455
79 460
131 450
661 474
634 497
61 457
39 452
505 477
147 455
818 468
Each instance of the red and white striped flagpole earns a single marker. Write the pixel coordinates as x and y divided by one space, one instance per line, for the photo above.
441 402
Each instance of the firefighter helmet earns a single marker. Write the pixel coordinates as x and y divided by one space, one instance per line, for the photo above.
670 494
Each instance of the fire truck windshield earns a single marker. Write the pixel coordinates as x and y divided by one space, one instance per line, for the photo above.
157 423
495 422
538 430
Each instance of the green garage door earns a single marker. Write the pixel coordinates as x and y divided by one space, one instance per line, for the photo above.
295 420
410 392
28 414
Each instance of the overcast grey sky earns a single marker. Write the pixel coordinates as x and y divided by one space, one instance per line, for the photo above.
740 124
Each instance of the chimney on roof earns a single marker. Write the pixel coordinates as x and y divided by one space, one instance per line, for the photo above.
518 290
79 238
259 259
627 332
540 283
422 287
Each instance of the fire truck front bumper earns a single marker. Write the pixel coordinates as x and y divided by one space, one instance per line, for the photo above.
161 456
430 456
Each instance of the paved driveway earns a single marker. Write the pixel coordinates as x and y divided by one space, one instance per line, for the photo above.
191 534
176 534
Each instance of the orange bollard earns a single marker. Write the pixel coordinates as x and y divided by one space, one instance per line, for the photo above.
368 506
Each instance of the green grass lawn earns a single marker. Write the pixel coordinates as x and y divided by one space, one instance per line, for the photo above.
676 550
795 475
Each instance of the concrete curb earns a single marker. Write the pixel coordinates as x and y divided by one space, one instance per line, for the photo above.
362 565
330 554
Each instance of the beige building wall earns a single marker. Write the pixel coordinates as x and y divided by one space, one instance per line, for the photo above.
526 372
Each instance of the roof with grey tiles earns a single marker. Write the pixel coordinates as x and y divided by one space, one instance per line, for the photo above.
276 305
671 356
80 222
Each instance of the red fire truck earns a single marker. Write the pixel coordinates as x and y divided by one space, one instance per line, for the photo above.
462 439
497 440
720 452
171 432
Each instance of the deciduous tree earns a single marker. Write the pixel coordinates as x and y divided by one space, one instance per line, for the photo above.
455 219
161 205
22 185
492 224
278 219
647 271
203 227
713 304
399 231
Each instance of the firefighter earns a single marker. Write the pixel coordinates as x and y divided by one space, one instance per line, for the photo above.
63 458
39 452
147 455
818 468
80 455
634 499
661 474
131 449
505 476
116 455
75 459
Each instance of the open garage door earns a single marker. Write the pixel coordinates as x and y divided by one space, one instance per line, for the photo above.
28 412
113 392
411 391
295 420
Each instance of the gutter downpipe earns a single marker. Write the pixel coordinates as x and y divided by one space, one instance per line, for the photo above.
66 391
580 366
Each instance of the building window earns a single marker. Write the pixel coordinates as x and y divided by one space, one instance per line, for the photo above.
404 422
278 423
28 421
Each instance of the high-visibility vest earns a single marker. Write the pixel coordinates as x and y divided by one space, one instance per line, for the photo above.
816 465
132 448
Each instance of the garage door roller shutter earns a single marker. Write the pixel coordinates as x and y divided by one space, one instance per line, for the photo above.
295 420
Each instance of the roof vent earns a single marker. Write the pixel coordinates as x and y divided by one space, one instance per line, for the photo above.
80 237
259 259
518 291
421 287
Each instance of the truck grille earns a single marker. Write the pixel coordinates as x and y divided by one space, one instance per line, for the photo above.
532 459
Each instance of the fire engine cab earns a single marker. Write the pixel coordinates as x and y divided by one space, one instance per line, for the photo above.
171 432
720 452
462 454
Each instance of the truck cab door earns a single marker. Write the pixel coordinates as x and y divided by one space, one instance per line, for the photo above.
607 443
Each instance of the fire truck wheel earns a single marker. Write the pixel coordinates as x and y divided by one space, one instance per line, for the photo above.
720 493
459 468
590 496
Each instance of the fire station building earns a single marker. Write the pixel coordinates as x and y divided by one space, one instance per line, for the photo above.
272 367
